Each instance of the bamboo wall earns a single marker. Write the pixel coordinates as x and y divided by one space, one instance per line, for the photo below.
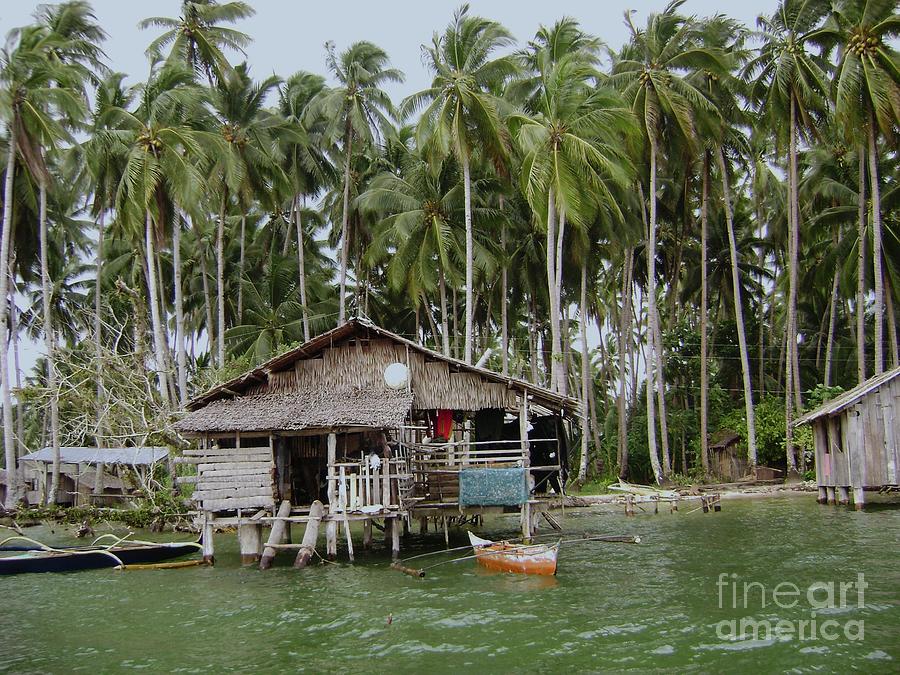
362 363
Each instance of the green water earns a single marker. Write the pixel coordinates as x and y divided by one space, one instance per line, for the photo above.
612 607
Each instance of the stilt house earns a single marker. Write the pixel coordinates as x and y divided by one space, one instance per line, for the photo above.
857 440
377 428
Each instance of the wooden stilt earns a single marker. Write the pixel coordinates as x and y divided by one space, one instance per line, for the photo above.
843 494
717 503
367 534
209 556
446 532
859 498
311 535
823 495
629 505
331 523
395 537
830 492
250 542
655 505
673 507
276 536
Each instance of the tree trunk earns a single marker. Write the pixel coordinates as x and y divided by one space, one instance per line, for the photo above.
739 318
651 310
876 247
240 302
301 266
445 331
207 302
555 345
14 333
585 378
623 348
861 271
832 311
704 318
892 326
470 257
220 280
560 363
179 310
49 345
98 346
9 440
790 335
661 399
504 301
345 233
158 335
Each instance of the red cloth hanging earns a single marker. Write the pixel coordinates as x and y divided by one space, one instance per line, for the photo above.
443 426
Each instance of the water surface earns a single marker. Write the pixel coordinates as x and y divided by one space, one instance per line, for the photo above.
612 607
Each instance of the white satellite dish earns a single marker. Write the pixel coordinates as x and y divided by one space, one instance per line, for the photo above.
396 376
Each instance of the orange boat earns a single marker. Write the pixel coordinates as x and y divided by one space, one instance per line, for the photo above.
520 558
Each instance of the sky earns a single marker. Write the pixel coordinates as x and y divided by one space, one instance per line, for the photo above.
289 35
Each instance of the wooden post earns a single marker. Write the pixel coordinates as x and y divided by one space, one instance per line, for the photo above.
367 533
525 512
423 525
843 494
859 498
331 523
276 536
250 541
829 490
209 557
823 495
446 531
395 537
655 505
342 505
311 535
629 505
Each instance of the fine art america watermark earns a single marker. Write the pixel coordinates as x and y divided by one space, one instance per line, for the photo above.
818 604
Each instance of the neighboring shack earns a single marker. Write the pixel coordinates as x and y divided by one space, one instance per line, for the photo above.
119 472
857 440
328 422
727 457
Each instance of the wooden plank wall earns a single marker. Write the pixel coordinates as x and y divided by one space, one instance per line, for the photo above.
232 478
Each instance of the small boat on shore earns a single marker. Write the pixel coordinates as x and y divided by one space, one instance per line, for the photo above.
519 558
36 557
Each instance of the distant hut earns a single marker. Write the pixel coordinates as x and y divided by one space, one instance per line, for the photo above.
857 440
120 472
376 427
727 458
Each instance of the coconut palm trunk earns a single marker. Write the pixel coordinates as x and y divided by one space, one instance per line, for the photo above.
623 349
790 334
555 345
504 301
159 346
14 336
585 378
301 266
832 321
876 247
654 364
739 318
49 345
100 393
241 259
9 440
470 257
559 361
345 232
220 280
704 318
181 353
861 271
445 331
207 300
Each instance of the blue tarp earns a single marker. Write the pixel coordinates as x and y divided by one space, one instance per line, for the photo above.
492 487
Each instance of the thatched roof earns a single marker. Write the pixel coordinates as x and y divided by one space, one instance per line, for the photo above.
361 328
295 411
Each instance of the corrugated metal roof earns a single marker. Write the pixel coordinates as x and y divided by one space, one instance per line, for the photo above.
80 455
848 398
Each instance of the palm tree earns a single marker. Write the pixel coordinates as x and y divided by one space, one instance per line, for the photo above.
196 38
460 115
789 82
568 164
867 97
248 132
652 72
163 152
358 111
